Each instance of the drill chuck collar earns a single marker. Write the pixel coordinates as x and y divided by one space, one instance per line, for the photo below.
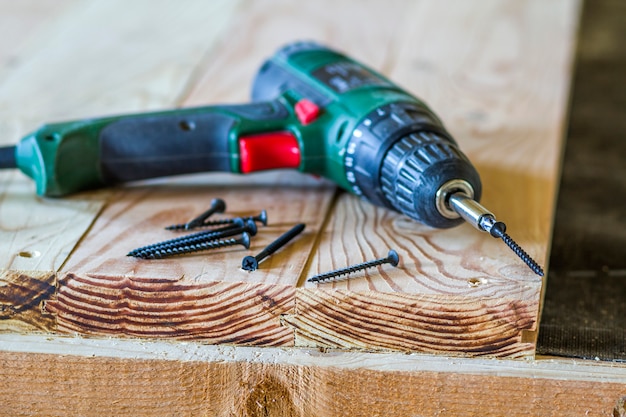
400 156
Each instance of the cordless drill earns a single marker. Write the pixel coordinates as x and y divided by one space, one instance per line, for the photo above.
313 109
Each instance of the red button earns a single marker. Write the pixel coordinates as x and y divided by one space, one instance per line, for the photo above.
307 111
268 151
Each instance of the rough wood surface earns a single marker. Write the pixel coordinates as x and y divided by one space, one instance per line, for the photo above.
463 326
499 86
367 32
22 294
215 312
188 380
137 216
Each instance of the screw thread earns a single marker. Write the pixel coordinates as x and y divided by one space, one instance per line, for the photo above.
198 237
498 229
183 239
220 222
392 258
262 217
522 254
180 250
344 271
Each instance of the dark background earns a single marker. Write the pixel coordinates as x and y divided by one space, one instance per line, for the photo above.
584 312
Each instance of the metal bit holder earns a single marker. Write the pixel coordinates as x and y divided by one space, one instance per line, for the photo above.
456 199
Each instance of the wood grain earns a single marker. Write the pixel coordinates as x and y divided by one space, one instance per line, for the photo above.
498 77
461 326
217 312
368 32
463 304
38 234
503 95
137 216
249 382
22 294
35 234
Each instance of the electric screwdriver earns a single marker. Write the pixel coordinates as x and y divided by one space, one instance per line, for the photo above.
313 109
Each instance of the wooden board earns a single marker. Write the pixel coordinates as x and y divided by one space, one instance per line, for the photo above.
498 77
499 86
148 378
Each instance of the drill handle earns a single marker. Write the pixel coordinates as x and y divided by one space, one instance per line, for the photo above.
68 157
183 141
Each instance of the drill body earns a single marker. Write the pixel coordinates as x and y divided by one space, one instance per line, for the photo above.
313 109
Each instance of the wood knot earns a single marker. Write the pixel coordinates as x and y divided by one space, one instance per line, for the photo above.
269 398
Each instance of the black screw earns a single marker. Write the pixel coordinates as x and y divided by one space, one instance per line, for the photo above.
261 217
499 230
180 250
217 206
392 258
199 237
251 263
206 235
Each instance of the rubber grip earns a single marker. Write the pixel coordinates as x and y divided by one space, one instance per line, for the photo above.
162 145
178 142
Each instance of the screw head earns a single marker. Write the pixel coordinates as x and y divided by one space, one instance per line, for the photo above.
498 229
245 240
249 263
218 205
263 217
250 227
238 222
393 257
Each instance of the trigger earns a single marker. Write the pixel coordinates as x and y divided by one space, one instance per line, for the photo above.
268 151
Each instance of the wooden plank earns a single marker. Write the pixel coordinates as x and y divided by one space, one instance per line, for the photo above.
138 216
24 18
502 92
38 234
52 375
455 292
191 379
